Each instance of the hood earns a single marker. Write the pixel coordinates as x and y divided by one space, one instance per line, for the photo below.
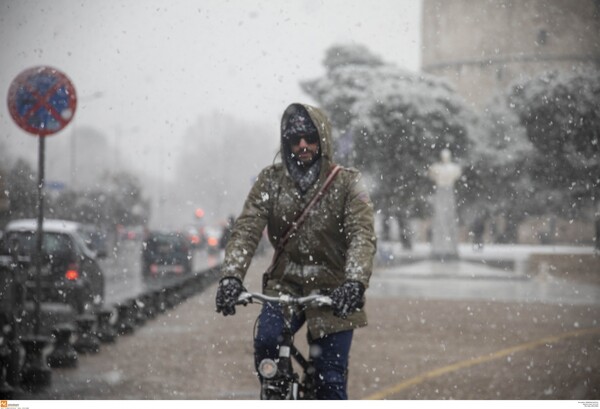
321 122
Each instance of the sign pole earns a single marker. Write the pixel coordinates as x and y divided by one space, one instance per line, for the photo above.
39 236
42 101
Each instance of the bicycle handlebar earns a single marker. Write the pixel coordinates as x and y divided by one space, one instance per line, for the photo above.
284 299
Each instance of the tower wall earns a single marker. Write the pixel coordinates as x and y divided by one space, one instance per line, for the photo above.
481 46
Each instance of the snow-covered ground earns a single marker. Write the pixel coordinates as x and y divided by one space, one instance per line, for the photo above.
394 251
494 273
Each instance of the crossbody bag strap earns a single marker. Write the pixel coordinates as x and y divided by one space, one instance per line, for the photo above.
299 220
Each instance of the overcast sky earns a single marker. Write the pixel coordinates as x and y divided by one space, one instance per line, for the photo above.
145 70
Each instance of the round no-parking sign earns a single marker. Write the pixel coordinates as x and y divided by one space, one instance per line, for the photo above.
42 100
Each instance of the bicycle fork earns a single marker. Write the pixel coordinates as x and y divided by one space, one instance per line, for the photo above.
279 379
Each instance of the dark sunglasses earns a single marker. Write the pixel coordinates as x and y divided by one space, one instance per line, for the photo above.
308 138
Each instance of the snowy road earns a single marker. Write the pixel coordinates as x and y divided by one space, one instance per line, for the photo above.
424 346
123 277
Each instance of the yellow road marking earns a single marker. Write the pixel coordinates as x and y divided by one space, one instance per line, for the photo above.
385 393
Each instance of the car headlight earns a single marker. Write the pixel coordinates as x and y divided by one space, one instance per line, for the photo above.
267 368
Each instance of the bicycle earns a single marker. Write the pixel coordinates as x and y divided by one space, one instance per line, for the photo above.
280 380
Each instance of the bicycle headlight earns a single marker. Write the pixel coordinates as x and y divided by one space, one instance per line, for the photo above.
267 368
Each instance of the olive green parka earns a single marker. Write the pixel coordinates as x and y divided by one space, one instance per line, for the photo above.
336 242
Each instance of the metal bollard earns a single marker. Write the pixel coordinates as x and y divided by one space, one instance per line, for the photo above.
160 300
179 293
191 286
187 288
170 297
125 323
35 373
13 366
64 354
199 282
6 391
137 306
105 331
149 305
87 341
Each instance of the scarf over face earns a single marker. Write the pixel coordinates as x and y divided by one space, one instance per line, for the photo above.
299 123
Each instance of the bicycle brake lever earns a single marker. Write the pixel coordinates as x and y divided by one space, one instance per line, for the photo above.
244 298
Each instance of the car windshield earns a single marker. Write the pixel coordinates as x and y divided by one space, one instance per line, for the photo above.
53 243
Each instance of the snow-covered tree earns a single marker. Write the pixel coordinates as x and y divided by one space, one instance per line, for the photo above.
497 181
117 198
124 197
349 71
391 123
21 189
561 114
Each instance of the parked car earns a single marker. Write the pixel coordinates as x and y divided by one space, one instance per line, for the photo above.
166 253
70 272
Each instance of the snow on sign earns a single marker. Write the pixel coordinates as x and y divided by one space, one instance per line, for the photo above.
42 100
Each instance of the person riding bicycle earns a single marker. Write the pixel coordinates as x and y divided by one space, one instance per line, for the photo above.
331 253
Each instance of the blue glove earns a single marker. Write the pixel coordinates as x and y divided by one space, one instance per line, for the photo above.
228 292
347 298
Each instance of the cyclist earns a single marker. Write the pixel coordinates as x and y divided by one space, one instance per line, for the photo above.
331 253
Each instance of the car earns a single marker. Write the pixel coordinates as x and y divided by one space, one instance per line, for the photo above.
130 233
213 239
195 237
166 253
70 272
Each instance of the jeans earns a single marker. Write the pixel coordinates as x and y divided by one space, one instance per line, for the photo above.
329 353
